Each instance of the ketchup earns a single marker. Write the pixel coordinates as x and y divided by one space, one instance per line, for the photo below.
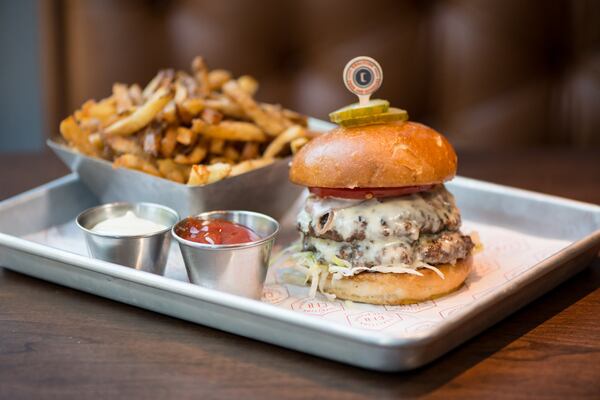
367 193
214 231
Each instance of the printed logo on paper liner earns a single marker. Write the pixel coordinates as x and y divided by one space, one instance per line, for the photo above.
316 307
412 308
274 294
373 320
508 245
483 266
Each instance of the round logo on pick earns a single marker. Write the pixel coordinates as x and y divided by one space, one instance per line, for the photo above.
363 76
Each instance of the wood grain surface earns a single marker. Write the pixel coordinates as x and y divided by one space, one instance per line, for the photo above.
60 343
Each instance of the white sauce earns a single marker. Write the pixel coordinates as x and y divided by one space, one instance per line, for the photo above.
127 225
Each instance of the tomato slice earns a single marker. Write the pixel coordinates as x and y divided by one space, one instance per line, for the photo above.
367 193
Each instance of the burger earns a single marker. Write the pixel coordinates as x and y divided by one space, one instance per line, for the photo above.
379 226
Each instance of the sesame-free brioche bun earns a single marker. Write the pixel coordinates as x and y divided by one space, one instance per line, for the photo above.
396 289
395 154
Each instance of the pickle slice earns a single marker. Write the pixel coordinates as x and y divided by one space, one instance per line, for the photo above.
393 114
375 106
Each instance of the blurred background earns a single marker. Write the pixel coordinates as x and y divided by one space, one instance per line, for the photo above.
489 74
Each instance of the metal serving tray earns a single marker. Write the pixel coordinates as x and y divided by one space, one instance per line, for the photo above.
387 339
267 190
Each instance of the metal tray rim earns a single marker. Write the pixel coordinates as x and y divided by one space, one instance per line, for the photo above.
522 193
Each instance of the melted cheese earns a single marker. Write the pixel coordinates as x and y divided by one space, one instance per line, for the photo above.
376 235
379 219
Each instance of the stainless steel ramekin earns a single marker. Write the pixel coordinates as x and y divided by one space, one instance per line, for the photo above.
239 269
143 252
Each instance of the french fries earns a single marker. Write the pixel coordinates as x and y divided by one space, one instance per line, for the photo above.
173 171
231 130
186 136
297 144
124 145
272 126
195 157
191 128
249 165
168 142
217 78
132 161
141 116
77 137
277 145
205 174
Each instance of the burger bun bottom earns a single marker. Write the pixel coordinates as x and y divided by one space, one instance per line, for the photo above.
397 289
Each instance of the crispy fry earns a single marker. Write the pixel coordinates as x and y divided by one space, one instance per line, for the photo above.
218 171
249 151
190 109
173 171
123 145
249 165
76 137
289 115
217 146
198 125
169 113
218 159
141 116
152 143
198 175
206 174
195 157
181 92
295 118
211 116
276 113
234 130
161 80
186 136
103 111
278 144
270 125
188 82
152 138
153 85
96 140
201 75
227 107
135 94
90 124
297 144
168 142
217 78
231 153
248 84
121 96
132 161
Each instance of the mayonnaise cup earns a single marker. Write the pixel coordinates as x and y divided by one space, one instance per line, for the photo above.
136 235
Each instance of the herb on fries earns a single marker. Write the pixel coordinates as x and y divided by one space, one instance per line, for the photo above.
193 128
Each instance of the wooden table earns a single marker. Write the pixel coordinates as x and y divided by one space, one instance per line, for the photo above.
57 342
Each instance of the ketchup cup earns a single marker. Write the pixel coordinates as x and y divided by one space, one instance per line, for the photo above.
238 269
